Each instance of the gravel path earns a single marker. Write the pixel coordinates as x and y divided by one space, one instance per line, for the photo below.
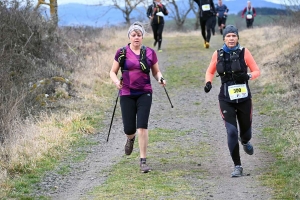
208 127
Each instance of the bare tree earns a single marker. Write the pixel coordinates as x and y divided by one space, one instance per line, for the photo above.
53 9
179 15
196 11
126 7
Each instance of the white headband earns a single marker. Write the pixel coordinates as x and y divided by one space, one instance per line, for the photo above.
136 26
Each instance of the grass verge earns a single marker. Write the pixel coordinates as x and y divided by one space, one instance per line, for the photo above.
23 180
281 133
22 185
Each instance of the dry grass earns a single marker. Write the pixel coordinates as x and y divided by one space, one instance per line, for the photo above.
267 40
269 45
98 63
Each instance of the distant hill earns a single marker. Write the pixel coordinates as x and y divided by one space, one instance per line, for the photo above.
236 6
74 14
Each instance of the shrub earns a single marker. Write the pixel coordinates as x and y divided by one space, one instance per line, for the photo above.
31 50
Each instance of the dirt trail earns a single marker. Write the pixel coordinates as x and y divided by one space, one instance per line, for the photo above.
208 127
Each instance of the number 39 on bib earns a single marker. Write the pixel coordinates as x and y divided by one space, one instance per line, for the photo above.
237 91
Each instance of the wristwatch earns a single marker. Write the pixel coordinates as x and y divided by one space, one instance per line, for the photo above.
250 75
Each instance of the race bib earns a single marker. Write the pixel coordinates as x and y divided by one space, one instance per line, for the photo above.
237 91
249 16
206 7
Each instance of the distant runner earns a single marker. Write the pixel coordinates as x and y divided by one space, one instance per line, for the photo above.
249 13
232 62
207 16
156 14
222 12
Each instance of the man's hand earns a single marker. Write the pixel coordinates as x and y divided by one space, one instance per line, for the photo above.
207 87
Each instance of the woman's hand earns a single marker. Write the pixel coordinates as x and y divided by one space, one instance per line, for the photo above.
119 84
162 81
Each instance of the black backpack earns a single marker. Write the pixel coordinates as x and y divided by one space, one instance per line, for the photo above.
143 63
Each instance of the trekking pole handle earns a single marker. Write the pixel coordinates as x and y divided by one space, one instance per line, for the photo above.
162 82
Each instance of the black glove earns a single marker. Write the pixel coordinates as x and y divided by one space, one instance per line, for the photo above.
207 87
240 77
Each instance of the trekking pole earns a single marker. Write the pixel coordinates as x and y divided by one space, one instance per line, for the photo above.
112 117
161 80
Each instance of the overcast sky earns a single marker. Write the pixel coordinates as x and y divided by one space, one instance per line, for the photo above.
97 1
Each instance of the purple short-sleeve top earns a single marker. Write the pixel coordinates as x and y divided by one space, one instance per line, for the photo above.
135 81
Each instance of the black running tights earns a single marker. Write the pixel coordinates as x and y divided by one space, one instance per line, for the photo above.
135 112
233 113
157 33
206 26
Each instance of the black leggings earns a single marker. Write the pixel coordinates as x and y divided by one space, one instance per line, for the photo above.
157 33
213 25
135 112
249 23
206 26
231 114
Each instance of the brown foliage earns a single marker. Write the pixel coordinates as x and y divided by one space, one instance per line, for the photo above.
30 52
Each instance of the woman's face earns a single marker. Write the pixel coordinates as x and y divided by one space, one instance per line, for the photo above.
231 40
136 38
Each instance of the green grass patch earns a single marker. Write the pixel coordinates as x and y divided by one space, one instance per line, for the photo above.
171 160
182 69
273 89
21 186
284 178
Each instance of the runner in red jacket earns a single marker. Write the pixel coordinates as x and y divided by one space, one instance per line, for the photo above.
232 63
249 13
